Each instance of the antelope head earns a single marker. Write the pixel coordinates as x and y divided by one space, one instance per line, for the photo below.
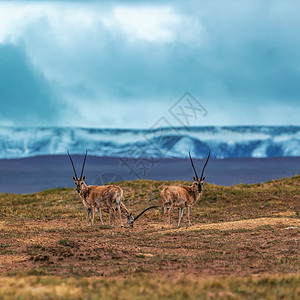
198 183
131 219
79 182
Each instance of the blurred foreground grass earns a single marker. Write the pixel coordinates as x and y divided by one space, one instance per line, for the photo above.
145 287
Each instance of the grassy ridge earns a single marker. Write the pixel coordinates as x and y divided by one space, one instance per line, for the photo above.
218 201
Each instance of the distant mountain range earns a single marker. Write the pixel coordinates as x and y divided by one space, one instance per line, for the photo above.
223 142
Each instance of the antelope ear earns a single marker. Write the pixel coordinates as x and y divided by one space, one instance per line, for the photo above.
74 178
203 178
194 178
83 178
131 214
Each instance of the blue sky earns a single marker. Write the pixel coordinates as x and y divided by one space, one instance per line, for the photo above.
124 64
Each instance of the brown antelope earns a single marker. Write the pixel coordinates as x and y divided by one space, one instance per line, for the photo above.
100 197
131 220
183 196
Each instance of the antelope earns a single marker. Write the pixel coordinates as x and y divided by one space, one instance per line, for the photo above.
131 220
97 197
183 196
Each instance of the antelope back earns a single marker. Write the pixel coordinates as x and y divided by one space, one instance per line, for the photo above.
174 195
108 195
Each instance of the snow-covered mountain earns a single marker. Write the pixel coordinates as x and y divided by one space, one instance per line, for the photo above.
224 142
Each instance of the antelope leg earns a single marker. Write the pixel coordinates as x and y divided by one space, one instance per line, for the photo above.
93 215
88 211
181 209
100 215
163 211
170 212
111 217
119 209
189 215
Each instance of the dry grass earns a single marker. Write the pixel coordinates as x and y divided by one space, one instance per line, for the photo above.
149 287
248 233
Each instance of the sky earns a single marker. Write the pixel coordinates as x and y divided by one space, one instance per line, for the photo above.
125 64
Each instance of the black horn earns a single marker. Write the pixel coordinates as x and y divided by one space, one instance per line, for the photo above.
72 165
83 165
144 212
205 165
193 166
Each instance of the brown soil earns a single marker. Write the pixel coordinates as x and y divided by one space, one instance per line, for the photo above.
244 247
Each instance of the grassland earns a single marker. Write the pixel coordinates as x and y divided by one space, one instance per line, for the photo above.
244 243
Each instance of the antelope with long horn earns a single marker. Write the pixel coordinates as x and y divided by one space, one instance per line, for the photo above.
131 220
96 197
183 196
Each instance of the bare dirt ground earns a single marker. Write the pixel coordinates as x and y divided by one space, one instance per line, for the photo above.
239 248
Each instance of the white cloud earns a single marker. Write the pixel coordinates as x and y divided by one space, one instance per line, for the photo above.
12 19
155 24
152 23
16 17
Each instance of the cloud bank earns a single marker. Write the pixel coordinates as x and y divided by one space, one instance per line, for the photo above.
125 64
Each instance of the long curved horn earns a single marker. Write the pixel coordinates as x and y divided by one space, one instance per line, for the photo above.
83 165
144 212
193 165
205 165
72 164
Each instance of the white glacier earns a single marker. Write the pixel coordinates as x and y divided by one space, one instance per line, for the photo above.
224 142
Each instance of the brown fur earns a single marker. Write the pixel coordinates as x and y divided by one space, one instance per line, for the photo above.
181 196
107 197
94 197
